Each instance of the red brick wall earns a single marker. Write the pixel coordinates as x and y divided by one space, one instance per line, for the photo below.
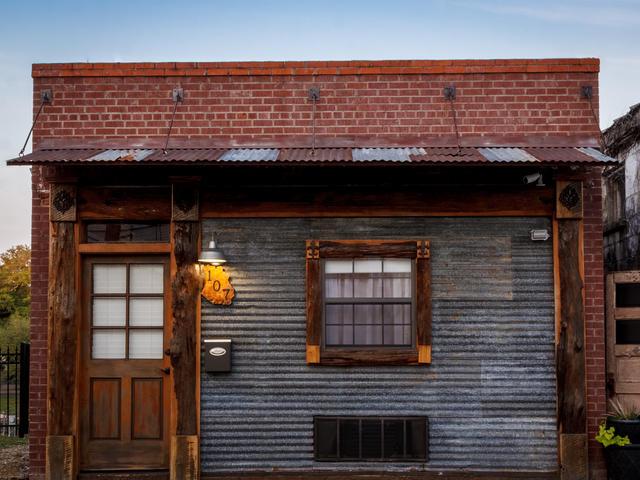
256 99
594 318
39 286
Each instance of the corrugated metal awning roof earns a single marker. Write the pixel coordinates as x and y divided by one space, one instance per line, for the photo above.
405 155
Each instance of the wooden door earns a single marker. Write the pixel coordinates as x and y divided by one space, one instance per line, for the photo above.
623 335
124 371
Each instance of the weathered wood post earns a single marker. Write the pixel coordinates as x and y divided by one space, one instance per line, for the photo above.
185 303
63 333
570 353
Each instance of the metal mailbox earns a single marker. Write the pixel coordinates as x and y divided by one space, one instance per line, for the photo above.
217 355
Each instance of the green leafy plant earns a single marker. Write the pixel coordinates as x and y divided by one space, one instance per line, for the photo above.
608 437
622 411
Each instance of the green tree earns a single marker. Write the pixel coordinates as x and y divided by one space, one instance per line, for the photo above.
15 281
15 295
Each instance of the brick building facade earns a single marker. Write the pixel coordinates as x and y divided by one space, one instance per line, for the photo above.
531 105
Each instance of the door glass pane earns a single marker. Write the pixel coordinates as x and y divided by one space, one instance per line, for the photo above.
109 312
145 278
109 278
108 344
627 295
145 343
146 312
628 332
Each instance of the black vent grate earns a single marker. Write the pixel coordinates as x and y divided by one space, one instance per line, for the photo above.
382 439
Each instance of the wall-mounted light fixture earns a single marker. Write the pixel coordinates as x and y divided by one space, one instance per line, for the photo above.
541 235
212 255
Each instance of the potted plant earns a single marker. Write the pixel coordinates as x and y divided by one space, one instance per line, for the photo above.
620 437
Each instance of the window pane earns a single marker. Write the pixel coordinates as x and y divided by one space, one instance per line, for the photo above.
326 438
349 438
145 343
628 332
397 285
368 314
367 266
108 344
127 232
339 314
339 335
109 312
627 295
146 312
397 314
338 286
338 266
110 278
393 438
397 265
146 278
367 286
416 438
397 335
368 334
371 435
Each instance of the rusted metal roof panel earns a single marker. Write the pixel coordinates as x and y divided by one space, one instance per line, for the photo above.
250 155
449 155
187 155
385 154
124 155
507 155
318 155
595 154
422 155
55 156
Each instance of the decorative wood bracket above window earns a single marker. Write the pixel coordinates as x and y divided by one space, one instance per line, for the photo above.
368 302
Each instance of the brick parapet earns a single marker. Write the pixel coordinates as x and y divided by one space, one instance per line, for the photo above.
313 68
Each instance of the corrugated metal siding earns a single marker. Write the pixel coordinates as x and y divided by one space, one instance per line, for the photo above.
489 393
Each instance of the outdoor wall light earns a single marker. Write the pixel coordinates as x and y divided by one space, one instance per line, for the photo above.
212 255
539 235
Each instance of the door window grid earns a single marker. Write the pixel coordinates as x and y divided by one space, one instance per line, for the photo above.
136 336
368 301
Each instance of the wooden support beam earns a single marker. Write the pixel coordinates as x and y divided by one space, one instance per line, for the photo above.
185 461
62 350
63 329
570 354
186 285
60 457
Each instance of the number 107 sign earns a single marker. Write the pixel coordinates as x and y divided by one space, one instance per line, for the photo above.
217 287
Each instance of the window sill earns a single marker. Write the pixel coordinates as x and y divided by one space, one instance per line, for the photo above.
380 356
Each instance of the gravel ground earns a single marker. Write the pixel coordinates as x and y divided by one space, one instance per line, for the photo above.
14 462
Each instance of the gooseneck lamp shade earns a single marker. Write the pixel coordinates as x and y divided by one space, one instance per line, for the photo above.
212 254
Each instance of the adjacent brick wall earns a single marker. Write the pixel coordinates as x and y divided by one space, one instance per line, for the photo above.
39 287
594 318
258 99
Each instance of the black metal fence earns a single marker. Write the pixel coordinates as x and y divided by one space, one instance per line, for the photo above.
14 391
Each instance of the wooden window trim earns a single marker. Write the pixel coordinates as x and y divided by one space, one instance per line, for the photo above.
418 250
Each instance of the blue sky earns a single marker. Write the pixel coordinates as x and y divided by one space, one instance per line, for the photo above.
106 31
